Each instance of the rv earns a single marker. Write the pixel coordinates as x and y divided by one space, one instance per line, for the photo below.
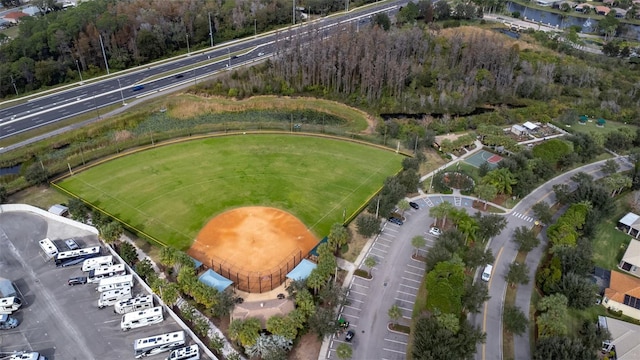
98 274
135 304
186 353
74 255
48 247
97 262
9 304
23 355
115 282
158 343
134 320
111 297
486 274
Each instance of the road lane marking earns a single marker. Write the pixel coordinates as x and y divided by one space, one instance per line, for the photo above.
486 304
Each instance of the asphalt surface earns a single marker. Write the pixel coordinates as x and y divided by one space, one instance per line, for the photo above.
59 321
505 251
94 95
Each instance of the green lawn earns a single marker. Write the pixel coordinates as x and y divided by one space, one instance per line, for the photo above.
610 243
171 192
610 126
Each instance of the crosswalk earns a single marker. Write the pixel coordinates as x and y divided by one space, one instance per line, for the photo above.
523 217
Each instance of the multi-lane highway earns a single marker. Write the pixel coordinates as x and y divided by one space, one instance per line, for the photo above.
92 96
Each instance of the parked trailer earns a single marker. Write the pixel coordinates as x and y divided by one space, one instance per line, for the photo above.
86 253
158 343
186 353
135 304
97 262
48 247
111 297
116 282
134 320
9 304
98 274
23 355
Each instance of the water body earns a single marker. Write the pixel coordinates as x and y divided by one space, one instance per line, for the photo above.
553 19
14 170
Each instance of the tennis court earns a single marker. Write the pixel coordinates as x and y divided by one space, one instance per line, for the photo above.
483 156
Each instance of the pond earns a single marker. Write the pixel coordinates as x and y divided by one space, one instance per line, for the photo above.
13 170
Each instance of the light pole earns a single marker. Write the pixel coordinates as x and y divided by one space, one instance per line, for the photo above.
229 57
255 28
347 5
104 55
121 93
188 48
210 30
79 73
293 11
14 85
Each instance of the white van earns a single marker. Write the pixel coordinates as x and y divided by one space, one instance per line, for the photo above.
116 282
486 274
134 320
136 304
110 297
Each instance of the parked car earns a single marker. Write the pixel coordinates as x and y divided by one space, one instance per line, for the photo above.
435 231
414 205
77 280
8 322
71 244
350 335
395 220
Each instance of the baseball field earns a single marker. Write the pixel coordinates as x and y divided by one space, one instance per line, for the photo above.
171 192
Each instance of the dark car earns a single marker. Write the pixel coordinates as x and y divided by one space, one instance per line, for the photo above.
137 87
414 205
234 57
395 221
77 280
179 76
350 335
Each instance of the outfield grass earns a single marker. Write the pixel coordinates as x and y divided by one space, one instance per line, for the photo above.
171 192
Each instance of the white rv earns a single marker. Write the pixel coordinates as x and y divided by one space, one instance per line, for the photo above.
186 353
23 355
97 262
9 304
135 304
142 318
111 297
115 282
48 247
98 274
158 343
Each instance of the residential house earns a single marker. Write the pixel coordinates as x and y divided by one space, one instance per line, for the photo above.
623 294
620 13
624 338
583 7
546 2
630 224
32 10
602 10
631 259
14 17
608 2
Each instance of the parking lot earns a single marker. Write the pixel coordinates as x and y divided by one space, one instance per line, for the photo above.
57 320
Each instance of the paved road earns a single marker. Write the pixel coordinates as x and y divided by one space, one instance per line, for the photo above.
490 319
92 96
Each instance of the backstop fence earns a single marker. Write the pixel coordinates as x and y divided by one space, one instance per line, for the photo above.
255 281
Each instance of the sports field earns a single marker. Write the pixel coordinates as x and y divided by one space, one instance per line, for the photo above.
172 191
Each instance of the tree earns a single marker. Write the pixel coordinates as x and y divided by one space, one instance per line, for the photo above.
475 294
489 226
486 192
344 351
370 262
610 167
394 313
432 341
403 205
245 331
128 253
169 256
445 286
323 322
553 318
417 242
201 326
542 212
144 268
579 290
502 179
441 211
561 347
563 193
514 320
4 196
382 20
338 236
283 326
476 256
79 210
36 174
518 273
525 238
111 232
170 293
367 225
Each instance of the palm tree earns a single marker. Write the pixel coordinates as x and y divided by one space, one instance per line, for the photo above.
417 242
344 351
370 262
502 179
468 226
403 205
394 314
441 211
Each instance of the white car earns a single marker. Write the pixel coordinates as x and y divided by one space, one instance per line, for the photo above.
435 231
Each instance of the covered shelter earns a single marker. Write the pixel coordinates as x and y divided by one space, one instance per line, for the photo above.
583 119
518 130
59 210
530 126
215 280
630 223
7 289
601 122
302 271
196 263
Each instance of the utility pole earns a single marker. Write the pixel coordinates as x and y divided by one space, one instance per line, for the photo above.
229 57
293 12
188 48
347 5
79 73
104 55
255 27
210 30
121 93
14 85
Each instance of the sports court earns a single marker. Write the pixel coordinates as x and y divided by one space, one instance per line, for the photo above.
483 156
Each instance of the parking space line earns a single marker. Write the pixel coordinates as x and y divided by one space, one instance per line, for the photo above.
395 351
376 249
406 293
391 229
396 341
409 279
356 300
404 308
383 239
364 286
385 245
410 287
416 267
412 273
359 293
350 307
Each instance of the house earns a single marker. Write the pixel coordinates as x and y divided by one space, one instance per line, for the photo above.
14 17
608 2
630 223
623 294
583 7
546 2
623 340
518 130
602 10
32 10
631 259
620 13
59 210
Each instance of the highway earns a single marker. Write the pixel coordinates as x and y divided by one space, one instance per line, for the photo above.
161 77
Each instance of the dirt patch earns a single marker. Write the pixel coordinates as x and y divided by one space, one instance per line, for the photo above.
307 348
253 242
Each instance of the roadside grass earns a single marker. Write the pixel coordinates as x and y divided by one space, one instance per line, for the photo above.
610 243
355 245
610 126
578 317
42 197
171 192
